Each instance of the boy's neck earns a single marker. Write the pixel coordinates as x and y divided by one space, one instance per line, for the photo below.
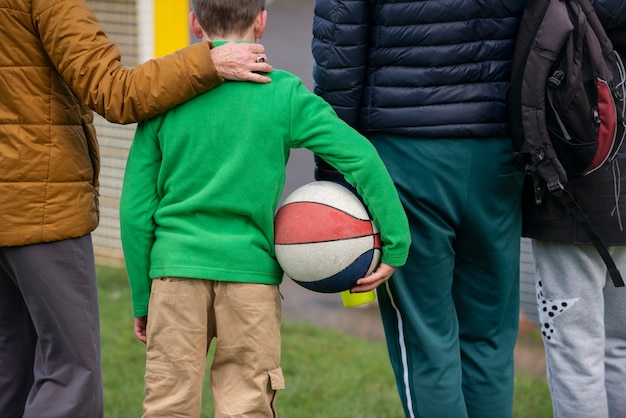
247 37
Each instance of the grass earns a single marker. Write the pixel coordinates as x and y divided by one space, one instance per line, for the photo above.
327 373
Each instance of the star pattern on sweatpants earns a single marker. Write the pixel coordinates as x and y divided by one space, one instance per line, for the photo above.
550 309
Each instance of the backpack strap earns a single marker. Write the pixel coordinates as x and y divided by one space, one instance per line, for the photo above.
598 28
582 220
545 165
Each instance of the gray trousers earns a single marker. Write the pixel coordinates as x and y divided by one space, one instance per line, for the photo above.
583 322
50 363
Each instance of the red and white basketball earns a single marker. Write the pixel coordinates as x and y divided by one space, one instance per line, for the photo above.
325 239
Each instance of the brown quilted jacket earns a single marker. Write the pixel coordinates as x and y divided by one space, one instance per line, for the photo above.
56 64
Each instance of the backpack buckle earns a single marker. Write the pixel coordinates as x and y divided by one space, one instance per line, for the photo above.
556 78
538 156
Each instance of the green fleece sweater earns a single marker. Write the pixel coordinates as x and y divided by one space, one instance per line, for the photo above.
203 182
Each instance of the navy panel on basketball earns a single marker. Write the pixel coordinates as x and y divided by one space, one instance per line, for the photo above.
346 278
325 239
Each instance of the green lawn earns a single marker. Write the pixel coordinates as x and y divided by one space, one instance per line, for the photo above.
328 374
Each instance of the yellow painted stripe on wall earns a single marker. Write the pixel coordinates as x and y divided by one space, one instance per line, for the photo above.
171 27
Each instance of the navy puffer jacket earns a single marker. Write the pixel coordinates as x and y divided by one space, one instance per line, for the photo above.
424 69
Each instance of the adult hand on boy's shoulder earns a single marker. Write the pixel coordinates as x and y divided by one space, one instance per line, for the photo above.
241 62
140 328
380 276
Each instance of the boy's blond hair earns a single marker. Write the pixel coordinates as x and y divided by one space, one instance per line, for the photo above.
219 18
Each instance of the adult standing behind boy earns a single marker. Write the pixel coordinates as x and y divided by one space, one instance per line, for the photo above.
582 314
197 213
426 82
55 64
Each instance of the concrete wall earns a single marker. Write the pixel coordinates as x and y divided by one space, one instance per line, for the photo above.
121 22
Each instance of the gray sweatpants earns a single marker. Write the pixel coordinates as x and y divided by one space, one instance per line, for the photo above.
49 331
583 322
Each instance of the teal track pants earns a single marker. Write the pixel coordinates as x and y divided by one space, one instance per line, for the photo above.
451 313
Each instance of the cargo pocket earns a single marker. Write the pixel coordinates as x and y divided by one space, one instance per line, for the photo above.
276 382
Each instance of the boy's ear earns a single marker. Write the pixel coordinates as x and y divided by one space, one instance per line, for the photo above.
195 25
259 24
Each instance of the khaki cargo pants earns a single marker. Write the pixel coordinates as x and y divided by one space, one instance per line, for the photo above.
184 316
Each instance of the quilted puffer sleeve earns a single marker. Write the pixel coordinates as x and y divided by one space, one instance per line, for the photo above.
612 13
340 48
90 63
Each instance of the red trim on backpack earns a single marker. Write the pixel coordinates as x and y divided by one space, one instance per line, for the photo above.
607 128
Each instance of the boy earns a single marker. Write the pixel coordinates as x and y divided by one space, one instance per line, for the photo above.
200 191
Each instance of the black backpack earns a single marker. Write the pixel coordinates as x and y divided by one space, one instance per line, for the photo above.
566 101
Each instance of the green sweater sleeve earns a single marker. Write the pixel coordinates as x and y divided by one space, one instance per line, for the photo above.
315 125
138 204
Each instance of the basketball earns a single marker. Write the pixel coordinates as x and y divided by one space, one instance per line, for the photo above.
325 239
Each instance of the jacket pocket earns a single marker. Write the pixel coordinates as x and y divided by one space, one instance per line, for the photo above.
92 145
